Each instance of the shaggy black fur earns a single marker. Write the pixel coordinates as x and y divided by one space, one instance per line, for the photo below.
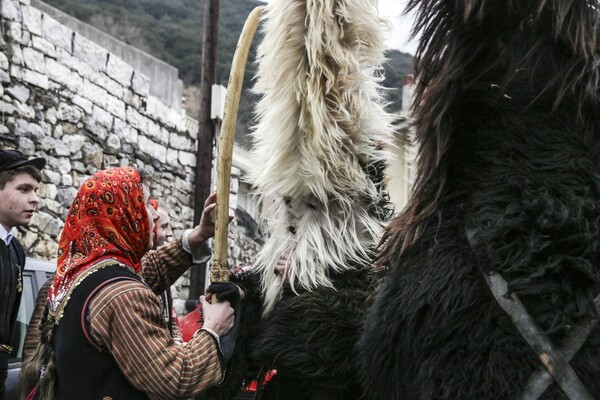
309 338
507 117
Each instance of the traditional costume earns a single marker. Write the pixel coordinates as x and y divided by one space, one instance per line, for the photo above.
104 335
318 167
494 264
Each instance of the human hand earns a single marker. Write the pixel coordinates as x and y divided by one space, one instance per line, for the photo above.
217 317
206 228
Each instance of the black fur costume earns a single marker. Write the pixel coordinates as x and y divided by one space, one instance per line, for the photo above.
507 117
308 338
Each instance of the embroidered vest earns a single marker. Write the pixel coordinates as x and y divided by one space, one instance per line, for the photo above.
84 372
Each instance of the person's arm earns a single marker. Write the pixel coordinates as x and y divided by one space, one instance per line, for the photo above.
125 318
33 337
162 267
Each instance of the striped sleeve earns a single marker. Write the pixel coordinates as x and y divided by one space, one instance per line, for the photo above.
125 318
162 267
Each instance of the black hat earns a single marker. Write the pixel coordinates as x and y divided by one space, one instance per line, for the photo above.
13 159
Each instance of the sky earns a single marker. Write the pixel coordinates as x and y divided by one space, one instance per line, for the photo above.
401 25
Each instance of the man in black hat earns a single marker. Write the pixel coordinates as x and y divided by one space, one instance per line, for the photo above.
19 181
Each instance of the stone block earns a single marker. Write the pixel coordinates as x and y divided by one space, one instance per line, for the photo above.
96 129
7 109
152 149
65 196
187 159
44 46
113 142
14 31
54 206
47 190
67 180
102 117
26 145
63 75
64 57
140 84
35 78
154 132
17 55
34 60
57 33
19 92
4 77
119 70
11 10
110 161
64 165
69 113
92 155
181 142
116 107
28 238
94 93
31 130
137 120
90 52
16 72
3 61
41 219
51 176
126 132
74 142
172 154
25 38
51 116
85 104
26 111
32 20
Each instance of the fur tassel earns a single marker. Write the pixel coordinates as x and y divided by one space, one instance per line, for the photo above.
321 122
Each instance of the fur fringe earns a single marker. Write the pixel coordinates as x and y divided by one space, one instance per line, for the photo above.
321 122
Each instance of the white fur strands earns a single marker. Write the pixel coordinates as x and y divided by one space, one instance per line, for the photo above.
321 121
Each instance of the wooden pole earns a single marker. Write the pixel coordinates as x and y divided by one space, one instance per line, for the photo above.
206 131
220 270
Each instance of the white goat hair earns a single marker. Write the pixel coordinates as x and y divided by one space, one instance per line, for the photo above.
320 122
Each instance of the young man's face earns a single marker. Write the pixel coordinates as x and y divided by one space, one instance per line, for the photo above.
18 200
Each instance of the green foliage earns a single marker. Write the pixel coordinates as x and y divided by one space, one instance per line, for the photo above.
171 30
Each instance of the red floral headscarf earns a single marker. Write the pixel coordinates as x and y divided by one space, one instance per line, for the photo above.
107 224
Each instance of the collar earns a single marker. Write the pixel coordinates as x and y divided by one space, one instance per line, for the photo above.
5 235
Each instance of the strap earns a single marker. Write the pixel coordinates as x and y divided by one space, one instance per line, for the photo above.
550 357
539 381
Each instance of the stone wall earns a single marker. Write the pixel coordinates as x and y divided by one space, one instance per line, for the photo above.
81 107
164 78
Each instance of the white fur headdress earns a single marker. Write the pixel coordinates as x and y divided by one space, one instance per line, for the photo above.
321 123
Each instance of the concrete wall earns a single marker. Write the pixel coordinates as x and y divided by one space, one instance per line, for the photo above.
83 108
164 78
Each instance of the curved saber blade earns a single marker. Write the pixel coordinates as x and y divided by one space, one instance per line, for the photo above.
219 271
